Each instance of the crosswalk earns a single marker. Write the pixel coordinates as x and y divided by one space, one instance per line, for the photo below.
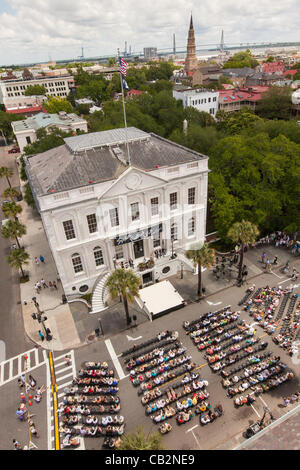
64 375
12 368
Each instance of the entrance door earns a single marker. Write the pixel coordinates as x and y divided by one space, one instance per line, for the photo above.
138 248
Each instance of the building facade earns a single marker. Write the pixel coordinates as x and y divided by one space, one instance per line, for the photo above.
150 53
108 202
201 99
55 86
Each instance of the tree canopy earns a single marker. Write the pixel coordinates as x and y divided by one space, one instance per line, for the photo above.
35 90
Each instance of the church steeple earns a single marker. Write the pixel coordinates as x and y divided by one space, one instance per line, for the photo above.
191 61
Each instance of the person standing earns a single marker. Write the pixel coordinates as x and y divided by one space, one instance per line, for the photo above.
42 259
67 360
20 414
41 335
54 285
36 261
23 397
43 282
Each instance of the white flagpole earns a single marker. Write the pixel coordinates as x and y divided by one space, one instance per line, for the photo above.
124 112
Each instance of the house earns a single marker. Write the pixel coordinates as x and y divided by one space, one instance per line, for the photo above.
122 198
234 100
201 99
133 93
25 130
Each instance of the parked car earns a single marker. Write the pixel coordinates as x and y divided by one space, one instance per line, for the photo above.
14 150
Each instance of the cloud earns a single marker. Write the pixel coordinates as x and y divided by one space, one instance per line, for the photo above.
33 30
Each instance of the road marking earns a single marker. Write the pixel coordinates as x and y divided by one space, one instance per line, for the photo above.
198 443
114 358
211 303
255 410
263 401
191 429
282 282
132 339
2 351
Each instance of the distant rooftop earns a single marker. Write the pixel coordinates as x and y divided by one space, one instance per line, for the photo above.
44 119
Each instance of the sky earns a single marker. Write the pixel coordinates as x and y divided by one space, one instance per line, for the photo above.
40 30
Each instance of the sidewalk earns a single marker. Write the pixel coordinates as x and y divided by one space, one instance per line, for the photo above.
59 316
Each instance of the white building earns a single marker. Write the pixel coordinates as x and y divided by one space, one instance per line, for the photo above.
198 98
55 86
25 131
100 212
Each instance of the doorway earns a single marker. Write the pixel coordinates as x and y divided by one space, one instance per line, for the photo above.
138 248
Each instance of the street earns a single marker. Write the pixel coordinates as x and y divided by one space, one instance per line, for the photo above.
12 336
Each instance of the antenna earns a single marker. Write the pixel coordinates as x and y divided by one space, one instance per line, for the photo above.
174 45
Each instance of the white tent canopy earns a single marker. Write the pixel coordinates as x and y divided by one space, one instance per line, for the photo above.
160 298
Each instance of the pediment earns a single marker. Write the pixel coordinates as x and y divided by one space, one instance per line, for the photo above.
132 180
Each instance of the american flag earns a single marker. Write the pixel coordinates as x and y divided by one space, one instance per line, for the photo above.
123 67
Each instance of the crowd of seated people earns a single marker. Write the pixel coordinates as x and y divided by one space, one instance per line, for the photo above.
92 393
263 305
153 369
289 333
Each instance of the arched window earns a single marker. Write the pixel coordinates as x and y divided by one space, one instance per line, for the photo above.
191 226
77 264
174 232
98 255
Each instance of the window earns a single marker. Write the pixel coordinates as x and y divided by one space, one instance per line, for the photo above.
98 255
119 252
77 264
69 229
135 214
192 165
28 140
156 240
114 217
191 195
154 206
92 223
174 232
173 201
173 169
191 226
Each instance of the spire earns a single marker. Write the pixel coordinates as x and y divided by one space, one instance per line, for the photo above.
191 22
191 61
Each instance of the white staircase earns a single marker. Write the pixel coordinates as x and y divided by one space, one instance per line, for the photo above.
98 295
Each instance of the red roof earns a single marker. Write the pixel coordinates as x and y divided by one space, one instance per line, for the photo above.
29 109
134 92
290 72
273 67
243 94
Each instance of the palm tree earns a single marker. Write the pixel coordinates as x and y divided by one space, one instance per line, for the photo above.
245 233
11 209
13 229
201 255
124 283
137 440
11 193
6 173
17 259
